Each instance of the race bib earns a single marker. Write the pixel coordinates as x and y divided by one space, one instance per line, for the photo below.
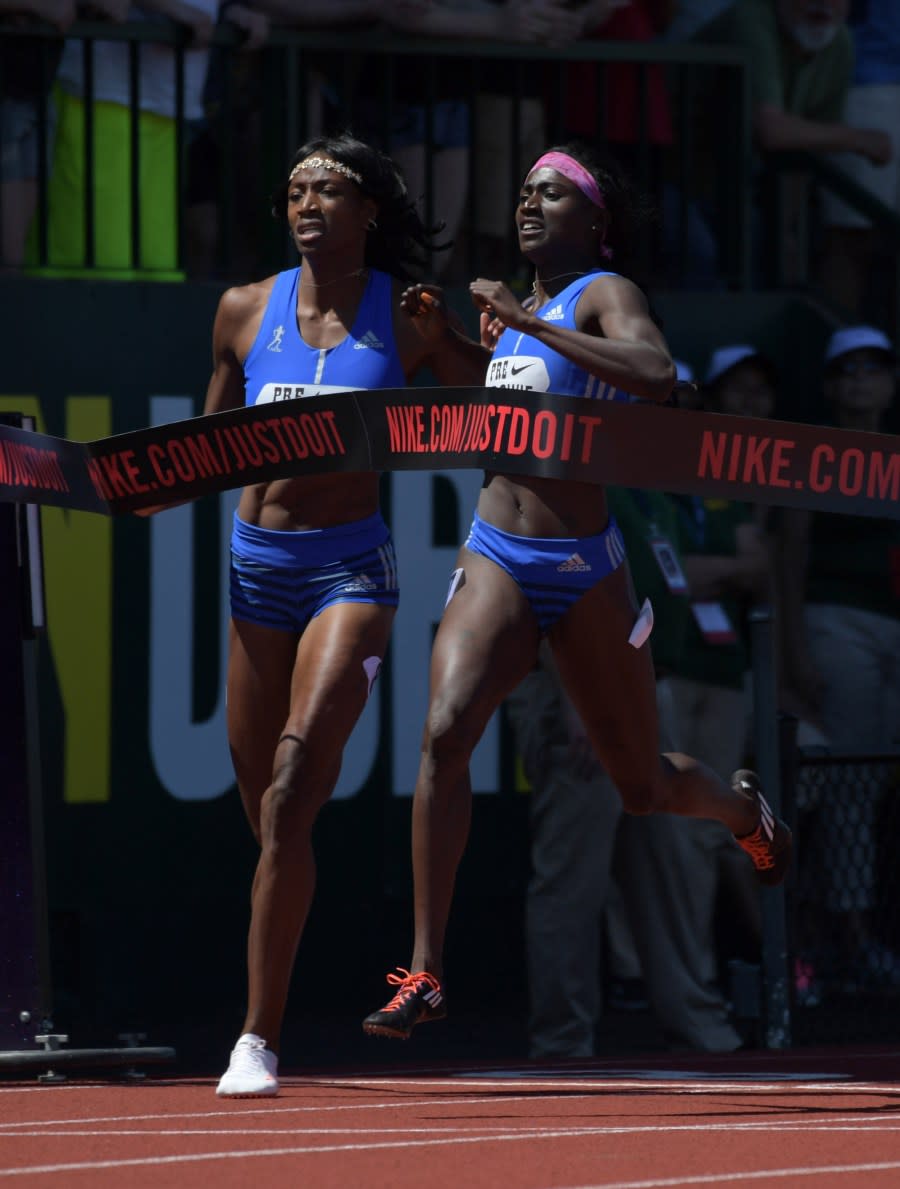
714 624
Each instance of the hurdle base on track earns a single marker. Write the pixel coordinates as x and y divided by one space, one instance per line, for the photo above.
47 1062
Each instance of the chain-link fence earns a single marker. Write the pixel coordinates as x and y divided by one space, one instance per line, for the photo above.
845 900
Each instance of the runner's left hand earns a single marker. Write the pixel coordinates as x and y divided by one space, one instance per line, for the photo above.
425 305
495 299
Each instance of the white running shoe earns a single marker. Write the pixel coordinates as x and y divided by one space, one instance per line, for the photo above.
252 1071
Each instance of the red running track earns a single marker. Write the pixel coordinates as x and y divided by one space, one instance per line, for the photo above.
824 1118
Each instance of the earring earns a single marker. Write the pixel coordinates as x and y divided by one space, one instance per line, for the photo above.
371 225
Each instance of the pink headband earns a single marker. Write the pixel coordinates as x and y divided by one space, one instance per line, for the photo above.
576 173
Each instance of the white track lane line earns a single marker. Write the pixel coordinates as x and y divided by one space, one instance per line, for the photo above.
866 1126
330 1149
738 1177
408 1103
263 1109
650 1085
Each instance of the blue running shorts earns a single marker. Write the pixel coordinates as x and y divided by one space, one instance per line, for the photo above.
284 579
554 572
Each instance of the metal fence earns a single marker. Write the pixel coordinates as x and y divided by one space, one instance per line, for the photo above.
793 193
462 116
844 904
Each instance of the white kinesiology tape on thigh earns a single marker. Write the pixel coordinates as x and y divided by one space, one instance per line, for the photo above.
643 625
372 665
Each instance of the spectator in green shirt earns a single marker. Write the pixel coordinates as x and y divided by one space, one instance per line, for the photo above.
801 63
800 58
728 567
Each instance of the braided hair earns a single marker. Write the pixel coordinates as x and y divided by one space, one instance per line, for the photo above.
400 242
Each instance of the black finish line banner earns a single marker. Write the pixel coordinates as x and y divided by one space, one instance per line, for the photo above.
494 429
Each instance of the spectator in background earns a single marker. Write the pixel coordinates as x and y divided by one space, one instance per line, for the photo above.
840 582
690 15
688 391
439 183
109 188
512 121
579 834
603 102
241 117
205 172
727 562
603 105
873 101
442 190
28 66
801 62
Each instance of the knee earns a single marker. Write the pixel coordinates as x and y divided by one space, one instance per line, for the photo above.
449 738
301 785
641 798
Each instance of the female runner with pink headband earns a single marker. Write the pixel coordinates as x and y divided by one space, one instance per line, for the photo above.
545 561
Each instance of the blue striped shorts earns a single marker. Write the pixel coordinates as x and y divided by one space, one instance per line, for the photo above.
284 579
552 572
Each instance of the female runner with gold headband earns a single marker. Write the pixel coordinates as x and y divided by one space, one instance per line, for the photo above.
313 575
545 559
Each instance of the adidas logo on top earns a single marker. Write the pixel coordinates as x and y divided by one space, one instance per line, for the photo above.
555 315
369 339
574 565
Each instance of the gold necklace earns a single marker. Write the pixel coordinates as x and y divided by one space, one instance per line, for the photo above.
359 272
559 276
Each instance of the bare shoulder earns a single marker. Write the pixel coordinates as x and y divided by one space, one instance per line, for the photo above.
616 307
239 316
612 290
239 303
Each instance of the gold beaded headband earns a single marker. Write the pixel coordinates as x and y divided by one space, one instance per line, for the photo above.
327 163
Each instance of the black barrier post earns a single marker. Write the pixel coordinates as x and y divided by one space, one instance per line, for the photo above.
24 947
776 1006
25 983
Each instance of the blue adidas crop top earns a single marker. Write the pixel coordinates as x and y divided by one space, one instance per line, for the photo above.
520 361
281 366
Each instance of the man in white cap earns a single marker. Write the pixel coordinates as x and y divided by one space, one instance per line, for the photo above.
740 379
840 628
862 348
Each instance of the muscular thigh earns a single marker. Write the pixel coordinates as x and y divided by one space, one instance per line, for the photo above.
260 667
338 659
313 686
610 683
486 643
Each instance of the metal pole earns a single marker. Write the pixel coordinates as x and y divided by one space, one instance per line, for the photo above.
776 985
24 946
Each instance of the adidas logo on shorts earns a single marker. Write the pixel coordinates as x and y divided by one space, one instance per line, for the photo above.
360 583
369 339
574 565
